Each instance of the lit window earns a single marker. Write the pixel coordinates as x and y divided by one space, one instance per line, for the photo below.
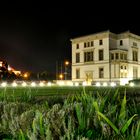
135 72
121 74
125 75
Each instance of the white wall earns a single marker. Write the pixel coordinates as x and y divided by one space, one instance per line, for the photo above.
96 64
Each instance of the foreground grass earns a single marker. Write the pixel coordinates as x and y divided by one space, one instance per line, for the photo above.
106 115
62 90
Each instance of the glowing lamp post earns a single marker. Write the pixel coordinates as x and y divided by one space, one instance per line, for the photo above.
66 64
26 75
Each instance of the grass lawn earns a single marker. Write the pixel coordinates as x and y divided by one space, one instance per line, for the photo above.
100 113
64 90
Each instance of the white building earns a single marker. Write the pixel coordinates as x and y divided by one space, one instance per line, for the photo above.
106 57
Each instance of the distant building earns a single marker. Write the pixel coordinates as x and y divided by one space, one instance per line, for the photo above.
16 72
3 64
106 57
3 69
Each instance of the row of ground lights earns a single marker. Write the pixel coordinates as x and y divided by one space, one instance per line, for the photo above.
24 84
98 84
41 84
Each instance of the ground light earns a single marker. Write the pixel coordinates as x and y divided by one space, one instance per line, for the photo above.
69 83
84 83
49 84
76 84
24 84
98 84
33 84
105 84
124 81
4 84
61 83
14 84
113 84
131 84
41 84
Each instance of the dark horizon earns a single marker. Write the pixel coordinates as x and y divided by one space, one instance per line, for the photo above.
34 39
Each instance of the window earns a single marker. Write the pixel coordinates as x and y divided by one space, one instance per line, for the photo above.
101 55
125 67
85 45
92 43
121 67
77 57
117 56
88 56
135 72
88 44
77 73
101 73
121 74
121 56
135 55
100 42
125 75
125 56
112 56
121 42
134 44
77 46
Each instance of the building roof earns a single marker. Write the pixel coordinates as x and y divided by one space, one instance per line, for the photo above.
91 35
105 34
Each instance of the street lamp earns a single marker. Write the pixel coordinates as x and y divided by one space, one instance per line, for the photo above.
61 76
66 64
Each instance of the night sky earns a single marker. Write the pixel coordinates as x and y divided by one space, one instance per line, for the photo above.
34 38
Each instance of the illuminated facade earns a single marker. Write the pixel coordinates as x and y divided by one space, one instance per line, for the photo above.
106 57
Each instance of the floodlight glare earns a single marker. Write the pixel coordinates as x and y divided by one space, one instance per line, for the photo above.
104 84
98 84
113 84
14 84
33 84
4 84
24 84
41 84
49 83
76 84
131 84
84 83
